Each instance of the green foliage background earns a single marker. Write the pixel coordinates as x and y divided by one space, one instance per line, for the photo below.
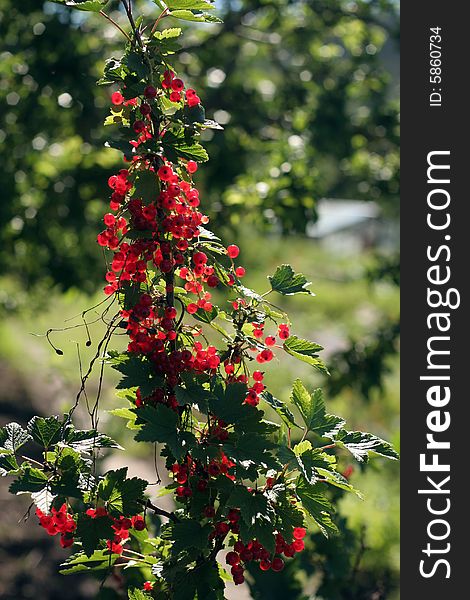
306 93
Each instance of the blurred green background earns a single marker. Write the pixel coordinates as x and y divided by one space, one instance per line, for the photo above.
306 173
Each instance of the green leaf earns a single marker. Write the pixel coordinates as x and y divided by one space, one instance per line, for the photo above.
188 15
251 452
99 560
193 393
31 480
281 408
209 584
122 144
189 534
311 460
252 506
302 447
86 441
113 72
92 531
119 116
46 431
87 5
13 436
168 34
137 594
227 404
43 499
122 496
312 409
317 506
249 293
305 351
189 4
205 316
195 114
126 413
322 423
8 462
135 63
177 144
337 480
210 124
68 484
207 235
262 530
202 582
69 459
137 372
361 444
160 424
146 186
288 517
303 400
287 282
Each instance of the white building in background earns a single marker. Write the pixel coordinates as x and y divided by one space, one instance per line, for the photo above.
352 226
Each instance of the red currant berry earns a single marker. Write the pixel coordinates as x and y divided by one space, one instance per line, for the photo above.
177 85
265 565
165 173
138 126
213 469
145 109
209 512
232 559
277 564
199 258
109 219
150 92
191 166
246 555
299 533
201 485
213 281
222 528
233 251
117 98
182 477
138 523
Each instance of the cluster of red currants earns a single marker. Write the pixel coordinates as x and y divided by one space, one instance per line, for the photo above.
120 526
254 551
59 521
193 476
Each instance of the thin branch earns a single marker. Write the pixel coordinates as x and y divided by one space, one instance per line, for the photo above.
103 14
161 512
128 8
327 447
160 17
